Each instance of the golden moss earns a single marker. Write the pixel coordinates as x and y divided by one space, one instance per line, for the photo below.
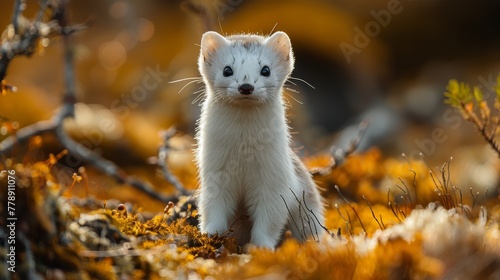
398 259
103 243
295 260
178 232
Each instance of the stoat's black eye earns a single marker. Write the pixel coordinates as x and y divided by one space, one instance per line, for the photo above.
265 71
227 71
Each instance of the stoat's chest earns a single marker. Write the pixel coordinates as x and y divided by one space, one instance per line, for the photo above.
244 138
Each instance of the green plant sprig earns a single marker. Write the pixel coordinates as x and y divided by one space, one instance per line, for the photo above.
474 108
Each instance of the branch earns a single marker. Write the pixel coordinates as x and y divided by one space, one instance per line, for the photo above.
26 33
24 134
18 8
55 125
21 42
162 161
340 154
29 263
84 153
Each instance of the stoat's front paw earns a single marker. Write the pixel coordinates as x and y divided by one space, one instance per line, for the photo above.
263 242
250 246
213 229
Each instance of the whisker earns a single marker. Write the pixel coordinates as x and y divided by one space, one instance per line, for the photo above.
274 27
291 90
184 79
198 98
194 81
302 80
288 81
220 25
288 104
296 100
202 89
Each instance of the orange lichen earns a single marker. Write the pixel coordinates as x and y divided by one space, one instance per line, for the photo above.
295 260
398 259
369 236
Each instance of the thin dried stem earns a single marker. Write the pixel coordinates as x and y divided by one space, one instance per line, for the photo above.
464 209
474 198
347 223
373 214
293 219
394 212
314 215
414 177
407 192
382 221
352 207
306 216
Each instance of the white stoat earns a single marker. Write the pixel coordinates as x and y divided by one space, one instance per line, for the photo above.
246 165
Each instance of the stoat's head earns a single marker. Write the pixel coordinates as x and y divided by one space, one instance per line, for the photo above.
245 69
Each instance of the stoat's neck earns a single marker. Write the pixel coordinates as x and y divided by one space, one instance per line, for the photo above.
265 112
221 118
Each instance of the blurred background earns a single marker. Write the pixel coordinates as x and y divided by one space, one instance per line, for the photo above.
384 61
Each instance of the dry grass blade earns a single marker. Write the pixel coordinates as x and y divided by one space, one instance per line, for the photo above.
373 214
293 219
352 207
314 215
347 223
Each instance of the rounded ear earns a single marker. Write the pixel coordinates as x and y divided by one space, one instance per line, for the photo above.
211 41
280 42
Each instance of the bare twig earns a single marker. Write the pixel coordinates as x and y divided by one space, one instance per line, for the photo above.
29 262
41 11
300 215
19 6
314 216
293 219
162 161
25 46
483 130
340 154
27 33
24 134
108 167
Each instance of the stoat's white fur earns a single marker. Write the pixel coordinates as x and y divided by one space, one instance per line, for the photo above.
246 165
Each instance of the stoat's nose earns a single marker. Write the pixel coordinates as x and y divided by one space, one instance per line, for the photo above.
245 89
